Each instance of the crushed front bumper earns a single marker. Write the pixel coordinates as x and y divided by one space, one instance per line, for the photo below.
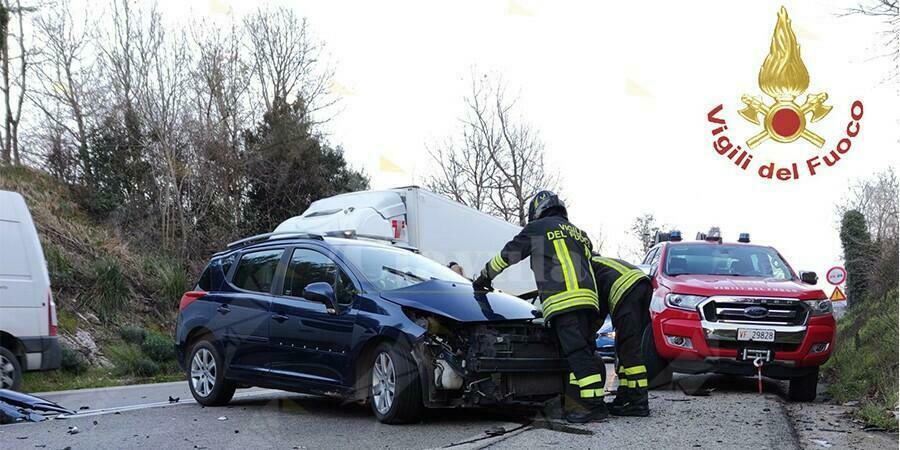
498 364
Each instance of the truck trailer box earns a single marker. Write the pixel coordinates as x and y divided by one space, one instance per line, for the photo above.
436 226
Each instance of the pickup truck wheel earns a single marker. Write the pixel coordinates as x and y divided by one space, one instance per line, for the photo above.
395 392
659 373
10 370
206 375
803 389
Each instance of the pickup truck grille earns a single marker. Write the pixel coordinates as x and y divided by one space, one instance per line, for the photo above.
755 310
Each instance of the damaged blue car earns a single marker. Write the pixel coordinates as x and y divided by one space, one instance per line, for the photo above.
350 317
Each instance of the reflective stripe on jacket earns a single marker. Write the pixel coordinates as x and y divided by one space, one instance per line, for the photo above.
615 278
560 259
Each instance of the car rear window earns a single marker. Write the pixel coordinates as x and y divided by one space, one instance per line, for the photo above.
204 283
256 270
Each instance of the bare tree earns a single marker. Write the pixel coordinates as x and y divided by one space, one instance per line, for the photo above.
12 101
889 11
223 109
499 163
67 80
161 102
286 61
876 198
644 229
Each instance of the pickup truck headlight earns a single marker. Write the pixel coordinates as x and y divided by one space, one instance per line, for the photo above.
819 307
682 301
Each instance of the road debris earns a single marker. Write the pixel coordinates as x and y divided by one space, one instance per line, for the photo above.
73 430
822 443
174 399
19 407
222 418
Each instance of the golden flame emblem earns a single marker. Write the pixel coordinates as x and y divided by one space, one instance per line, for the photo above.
784 77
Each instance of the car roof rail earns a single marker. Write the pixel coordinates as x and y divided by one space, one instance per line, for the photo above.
352 234
271 237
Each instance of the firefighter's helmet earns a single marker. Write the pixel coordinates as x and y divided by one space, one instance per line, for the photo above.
543 203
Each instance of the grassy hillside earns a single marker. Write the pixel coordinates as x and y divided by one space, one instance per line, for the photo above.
864 366
103 287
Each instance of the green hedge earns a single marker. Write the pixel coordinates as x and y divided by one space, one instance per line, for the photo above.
864 365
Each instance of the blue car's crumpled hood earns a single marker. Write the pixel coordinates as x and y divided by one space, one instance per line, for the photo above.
458 301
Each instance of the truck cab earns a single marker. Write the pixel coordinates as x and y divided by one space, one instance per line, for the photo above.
729 307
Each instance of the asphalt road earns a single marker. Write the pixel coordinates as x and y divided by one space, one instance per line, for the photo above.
695 412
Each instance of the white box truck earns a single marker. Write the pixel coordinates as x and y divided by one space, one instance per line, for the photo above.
28 338
436 226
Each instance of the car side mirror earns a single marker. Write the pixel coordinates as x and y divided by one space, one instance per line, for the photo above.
809 277
648 269
323 293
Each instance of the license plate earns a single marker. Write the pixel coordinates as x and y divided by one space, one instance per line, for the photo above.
756 334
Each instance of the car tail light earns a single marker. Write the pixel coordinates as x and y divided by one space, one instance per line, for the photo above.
52 324
189 298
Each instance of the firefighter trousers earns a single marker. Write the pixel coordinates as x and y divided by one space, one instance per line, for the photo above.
629 320
576 331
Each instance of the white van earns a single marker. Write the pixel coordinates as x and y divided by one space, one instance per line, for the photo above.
439 228
28 338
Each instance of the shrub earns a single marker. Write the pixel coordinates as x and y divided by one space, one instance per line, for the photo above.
73 361
110 291
863 366
172 282
133 334
145 368
61 271
128 359
159 348
66 321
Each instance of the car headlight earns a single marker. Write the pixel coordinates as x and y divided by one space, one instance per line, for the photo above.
819 307
682 301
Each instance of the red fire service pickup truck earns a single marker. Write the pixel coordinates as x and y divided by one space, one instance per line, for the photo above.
723 307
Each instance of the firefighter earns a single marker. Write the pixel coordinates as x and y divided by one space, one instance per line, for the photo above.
625 293
560 260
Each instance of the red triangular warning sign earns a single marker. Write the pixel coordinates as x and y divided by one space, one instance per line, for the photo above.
838 295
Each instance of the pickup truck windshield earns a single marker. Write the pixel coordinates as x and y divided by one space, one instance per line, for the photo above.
390 269
726 260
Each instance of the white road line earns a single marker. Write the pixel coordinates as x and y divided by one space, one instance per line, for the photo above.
119 409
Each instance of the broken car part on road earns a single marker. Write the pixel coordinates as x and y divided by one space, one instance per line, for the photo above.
19 407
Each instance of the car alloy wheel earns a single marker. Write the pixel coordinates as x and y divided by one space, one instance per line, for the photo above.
383 382
7 373
203 372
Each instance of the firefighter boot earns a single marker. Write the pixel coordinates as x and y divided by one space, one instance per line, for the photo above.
589 413
622 396
635 404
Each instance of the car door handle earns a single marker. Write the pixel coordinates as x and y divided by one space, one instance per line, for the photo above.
279 317
223 309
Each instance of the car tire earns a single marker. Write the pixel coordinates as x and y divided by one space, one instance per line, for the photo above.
395 391
206 375
659 372
803 389
10 370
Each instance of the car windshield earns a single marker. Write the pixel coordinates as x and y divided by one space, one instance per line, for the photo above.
727 260
389 268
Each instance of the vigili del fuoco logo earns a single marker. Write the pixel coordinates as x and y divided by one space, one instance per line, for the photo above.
784 119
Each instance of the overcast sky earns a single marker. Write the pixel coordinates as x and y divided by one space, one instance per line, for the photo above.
620 93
